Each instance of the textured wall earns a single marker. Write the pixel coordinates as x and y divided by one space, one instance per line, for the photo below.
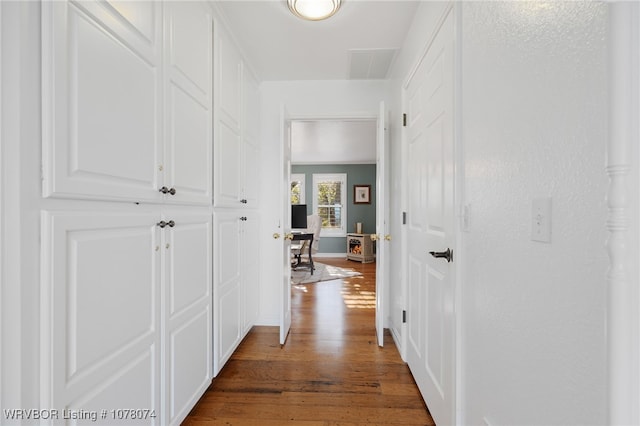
534 110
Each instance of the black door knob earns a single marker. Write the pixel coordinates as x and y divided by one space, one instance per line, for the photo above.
447 254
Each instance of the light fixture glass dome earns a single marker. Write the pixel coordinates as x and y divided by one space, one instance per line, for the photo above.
314 10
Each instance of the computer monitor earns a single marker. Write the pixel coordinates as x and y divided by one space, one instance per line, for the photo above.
298 216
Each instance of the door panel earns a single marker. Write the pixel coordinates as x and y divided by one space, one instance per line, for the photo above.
250 272
100 96
431 286
187 284
189 145
227 287
101 306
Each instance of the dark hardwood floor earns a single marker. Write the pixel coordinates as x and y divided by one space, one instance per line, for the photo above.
330 372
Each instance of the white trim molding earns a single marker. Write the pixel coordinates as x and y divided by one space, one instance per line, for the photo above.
622 199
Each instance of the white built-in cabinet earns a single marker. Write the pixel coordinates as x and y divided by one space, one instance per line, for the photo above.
127 309
236 281
127 93
127 319
236 177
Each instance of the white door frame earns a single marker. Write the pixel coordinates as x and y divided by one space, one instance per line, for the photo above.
623 227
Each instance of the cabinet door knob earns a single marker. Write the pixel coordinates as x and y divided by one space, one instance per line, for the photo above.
276 235
243 218
243 201
171 224
172 191
387 237
288 237
374 237
164 189
162 224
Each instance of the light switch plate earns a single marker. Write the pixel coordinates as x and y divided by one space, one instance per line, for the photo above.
541 220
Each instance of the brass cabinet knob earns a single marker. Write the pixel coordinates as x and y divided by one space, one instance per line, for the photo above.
387 237
374 237
288 237
276 235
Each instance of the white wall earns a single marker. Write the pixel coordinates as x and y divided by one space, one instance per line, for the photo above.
333 142
534 124
303 99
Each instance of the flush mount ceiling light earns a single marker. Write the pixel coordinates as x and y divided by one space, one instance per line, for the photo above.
314 10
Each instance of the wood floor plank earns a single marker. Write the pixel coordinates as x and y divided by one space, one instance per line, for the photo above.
331 372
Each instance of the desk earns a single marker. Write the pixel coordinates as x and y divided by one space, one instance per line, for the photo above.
303 237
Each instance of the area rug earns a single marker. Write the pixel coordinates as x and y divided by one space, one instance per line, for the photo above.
323 272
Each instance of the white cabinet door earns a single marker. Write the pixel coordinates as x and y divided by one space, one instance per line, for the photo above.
227 283
108 70
228 145
101 91
250 139
100 310
186 247
250 244
188 91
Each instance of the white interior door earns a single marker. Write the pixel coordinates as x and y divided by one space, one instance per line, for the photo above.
285 223
430 323
382 223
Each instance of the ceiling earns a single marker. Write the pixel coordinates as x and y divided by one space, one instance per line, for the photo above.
358 42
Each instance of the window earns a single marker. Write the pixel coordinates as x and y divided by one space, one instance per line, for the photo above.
330 202
297 188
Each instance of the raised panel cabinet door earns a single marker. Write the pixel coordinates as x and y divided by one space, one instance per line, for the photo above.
187 316
100 307
250 232
227 292
188 102
101 90
250 138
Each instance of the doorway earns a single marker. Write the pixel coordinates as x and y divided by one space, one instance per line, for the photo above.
339 154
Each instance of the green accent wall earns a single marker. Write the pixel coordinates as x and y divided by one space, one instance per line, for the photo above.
357 174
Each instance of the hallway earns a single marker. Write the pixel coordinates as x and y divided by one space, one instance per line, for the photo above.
330 372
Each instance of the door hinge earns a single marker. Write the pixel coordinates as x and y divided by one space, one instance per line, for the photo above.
404 218
404 120
404 317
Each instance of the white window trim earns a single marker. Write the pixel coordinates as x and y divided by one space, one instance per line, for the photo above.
332 177
300 177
